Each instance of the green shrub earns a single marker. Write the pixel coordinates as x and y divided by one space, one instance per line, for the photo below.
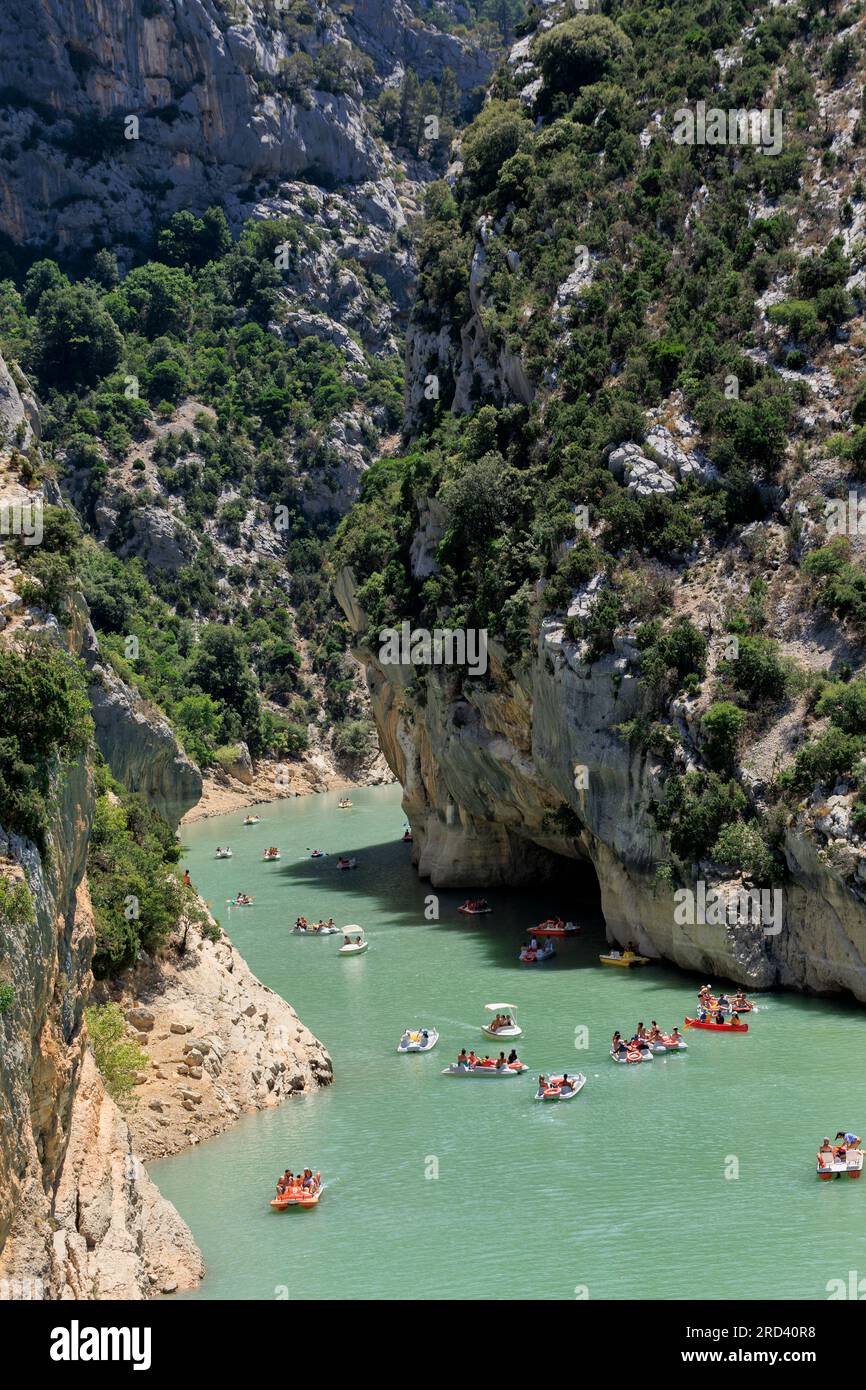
721 727
117 1056
585 49
742 847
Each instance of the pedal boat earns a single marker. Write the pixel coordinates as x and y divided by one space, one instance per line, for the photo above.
354 948
510 1030
413 1040
298 1198
485 1073
832 1166
553 1091
717 1027
623 959
528 956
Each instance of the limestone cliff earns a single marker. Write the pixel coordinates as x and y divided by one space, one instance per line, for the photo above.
213 117
79 1216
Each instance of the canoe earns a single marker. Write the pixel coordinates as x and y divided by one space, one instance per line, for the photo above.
624 961
717 1027
416 1042
474 911
631 1056
487 1073
553 1092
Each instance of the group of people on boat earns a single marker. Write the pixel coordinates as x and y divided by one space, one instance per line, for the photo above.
344 803
351 940
272 852
501 1021
409 1036
251 820
303 925
842 1144
475 905
564 1082
644 1037
243 899
469 1059
290 1184
737 1003
223 851
719 1016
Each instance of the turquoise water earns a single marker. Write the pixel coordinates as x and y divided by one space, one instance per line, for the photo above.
622 1192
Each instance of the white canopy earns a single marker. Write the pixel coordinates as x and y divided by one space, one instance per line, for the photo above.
353 926
496 1008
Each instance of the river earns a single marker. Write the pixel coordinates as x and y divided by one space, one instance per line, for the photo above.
688 1177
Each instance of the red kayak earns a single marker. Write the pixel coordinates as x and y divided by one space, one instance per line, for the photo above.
718 1027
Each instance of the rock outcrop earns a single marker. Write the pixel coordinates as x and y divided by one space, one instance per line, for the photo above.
140 747
488 766
114 116
218 1043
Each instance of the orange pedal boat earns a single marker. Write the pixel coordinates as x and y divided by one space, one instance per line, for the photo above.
298 1197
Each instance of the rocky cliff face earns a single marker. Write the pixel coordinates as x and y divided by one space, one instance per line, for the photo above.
79 1216
487 763
212 117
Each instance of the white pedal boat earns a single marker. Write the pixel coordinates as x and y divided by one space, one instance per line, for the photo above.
485 1073
418 1040
631 1056
508 1030
309 931
223 854
353 948
270 858
538 955
553 1090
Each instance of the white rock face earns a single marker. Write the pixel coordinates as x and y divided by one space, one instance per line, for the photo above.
483 766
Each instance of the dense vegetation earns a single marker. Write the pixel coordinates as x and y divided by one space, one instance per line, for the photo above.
673 261
113 358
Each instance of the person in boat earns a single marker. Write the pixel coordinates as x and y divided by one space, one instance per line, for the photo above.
735 1020
722 1001
826 1146
641 1032
462 1058
541 1083
473 1060
676 1035
357 940
424 1036
718 1016
307 1179
284 1183
512 1056
330 923
346 940
405 1038
851 1141
654 1033
565 1083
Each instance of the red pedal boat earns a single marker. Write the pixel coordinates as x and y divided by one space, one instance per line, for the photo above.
717 1027
300 1197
